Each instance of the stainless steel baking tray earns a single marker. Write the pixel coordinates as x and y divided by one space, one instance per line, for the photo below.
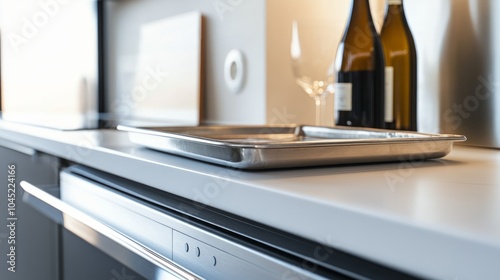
264 147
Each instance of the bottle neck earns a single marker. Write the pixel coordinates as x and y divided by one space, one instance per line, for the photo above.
395 8
361 8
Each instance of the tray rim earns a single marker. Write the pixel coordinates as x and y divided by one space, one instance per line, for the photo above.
421 137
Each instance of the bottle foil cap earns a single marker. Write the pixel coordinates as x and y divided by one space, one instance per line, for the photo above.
394 2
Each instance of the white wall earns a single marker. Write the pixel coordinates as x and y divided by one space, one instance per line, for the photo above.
286 102
229 24
49 62
270 94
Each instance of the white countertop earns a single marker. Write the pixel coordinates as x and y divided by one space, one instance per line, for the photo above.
438 219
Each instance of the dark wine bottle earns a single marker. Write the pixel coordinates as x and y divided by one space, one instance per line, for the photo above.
359 91
401 69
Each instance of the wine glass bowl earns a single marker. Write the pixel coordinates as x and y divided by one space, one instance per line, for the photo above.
312 51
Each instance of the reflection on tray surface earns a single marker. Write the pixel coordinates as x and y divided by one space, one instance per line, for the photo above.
260 135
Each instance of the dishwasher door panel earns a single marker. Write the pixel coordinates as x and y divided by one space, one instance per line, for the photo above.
147 239
132 254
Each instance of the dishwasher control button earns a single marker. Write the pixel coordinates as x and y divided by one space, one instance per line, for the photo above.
186 247
215 261
198 251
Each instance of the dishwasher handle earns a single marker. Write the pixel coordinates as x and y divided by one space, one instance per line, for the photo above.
138 257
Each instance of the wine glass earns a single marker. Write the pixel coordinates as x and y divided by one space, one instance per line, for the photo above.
313 56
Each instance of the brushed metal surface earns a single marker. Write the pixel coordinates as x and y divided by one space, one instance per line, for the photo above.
262 147
459 69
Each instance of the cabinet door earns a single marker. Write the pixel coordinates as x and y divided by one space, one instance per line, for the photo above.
35 236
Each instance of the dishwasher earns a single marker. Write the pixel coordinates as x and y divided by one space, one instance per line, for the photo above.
156 235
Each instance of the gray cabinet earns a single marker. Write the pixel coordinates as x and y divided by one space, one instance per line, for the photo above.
44 251
36 250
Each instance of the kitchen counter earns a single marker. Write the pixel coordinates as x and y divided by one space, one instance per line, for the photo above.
438 219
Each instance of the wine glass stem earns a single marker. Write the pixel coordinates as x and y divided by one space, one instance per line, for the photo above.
320 110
